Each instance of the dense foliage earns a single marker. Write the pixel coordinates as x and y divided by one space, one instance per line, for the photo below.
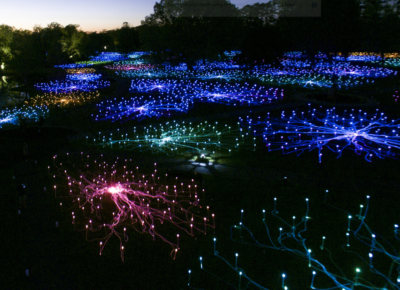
176 31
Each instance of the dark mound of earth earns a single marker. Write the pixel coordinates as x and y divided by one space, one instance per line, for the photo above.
338 98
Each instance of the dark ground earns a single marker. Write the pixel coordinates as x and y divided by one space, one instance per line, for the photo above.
61 258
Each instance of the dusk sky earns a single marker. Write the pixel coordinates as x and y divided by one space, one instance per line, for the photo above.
91 15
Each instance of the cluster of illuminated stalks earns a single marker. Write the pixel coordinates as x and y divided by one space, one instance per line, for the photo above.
370 135
175 138
229 94
291 238
72 86
141 107
27 113
116 199
63 99
80 70
84 77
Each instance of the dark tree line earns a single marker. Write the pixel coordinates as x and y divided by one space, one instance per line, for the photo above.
190 30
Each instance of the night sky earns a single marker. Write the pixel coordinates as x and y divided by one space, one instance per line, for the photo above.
91 15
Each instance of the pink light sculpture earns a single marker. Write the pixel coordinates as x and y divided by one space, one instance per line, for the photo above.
115 199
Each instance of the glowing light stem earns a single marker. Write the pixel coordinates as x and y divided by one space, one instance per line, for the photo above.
361 208
189 277
309 257
366 209
348 224
356 278
373 242
215 246
283 281
348 239
312 279
275 204
323 242
201 262
240 278
370 259
236 259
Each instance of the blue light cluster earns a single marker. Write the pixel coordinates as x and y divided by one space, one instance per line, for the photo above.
361 71
181 66
219 75
200 65
137 54
108 56
146 72
228 94
132 64
232 53
364 58
287 77
335 68
322 75
27 113
293 54
72 86
148 85
73 65
142 107
83 77
373 136
295 63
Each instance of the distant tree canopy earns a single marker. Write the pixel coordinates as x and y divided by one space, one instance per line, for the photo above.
189 30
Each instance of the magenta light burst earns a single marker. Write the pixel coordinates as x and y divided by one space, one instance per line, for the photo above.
369 135
116 199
